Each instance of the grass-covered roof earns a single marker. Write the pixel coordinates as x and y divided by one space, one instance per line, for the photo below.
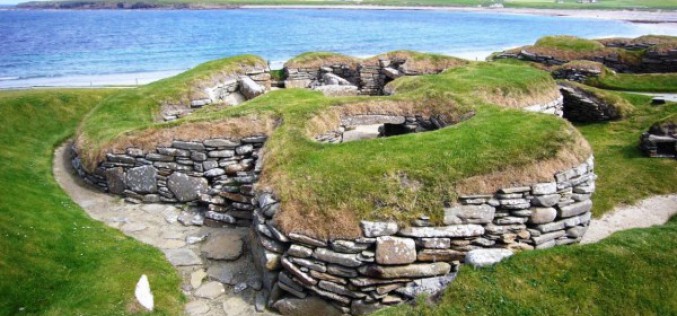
399 177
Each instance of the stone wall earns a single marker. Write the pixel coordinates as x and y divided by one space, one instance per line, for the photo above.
219 174
580 106
651 61
230 90
392 263
308 77
660 141
379 125
370 77
553 107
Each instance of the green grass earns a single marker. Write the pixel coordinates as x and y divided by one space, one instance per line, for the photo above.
570 43
630 273
55 259
625 174
138 108
317 59
655 82
543 4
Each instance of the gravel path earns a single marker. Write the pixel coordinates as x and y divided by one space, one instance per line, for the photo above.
216 271
655 210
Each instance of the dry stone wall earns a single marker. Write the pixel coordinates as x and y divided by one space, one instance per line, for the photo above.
231 90
651 61
580 106
217 173
392 263
308 77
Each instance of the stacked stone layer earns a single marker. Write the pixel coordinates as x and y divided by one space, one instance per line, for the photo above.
391 263
219 173
231 90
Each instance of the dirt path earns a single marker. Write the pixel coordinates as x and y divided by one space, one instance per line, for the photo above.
214 281
655 210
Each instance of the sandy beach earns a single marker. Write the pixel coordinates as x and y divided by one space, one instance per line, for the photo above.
635 16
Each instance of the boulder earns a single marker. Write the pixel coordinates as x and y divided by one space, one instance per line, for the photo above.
234 98
141 179
249 88
226 245
332 79
395 250
338 91
297 83
185 187
486 257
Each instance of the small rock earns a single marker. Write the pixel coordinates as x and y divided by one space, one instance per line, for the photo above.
182 257
210 290
196 278
191 240
240 287
236 306
260 301
197 308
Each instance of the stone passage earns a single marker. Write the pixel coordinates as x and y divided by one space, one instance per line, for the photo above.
368 126
581 106
390 263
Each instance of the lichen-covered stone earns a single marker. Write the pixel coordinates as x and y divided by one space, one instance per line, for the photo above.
470 230
377 229
141 179
468 214
395 250
186 188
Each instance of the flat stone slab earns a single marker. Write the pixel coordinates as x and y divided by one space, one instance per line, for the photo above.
486 257
197 308
210 290
226 245
182 257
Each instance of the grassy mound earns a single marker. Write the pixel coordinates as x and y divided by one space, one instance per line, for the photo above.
656 82
570 43
417 62
139 108
320 59
570 48
55 259
629 273
340 184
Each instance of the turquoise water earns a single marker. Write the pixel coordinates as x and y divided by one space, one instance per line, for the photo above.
55 46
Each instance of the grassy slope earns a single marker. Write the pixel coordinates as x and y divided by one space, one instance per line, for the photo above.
663 82
544 4
137 108
625 175
630 273
55 259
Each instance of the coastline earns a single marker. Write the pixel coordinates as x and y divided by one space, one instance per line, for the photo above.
634 16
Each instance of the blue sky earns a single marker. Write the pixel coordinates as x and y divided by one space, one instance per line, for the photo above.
10 1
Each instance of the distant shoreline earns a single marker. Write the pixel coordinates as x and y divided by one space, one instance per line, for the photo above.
633 15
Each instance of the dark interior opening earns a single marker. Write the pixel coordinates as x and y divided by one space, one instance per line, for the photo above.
666 149
394 129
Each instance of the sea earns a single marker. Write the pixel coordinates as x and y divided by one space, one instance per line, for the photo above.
119 47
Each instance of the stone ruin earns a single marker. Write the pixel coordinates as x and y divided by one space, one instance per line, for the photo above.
660 141
389 263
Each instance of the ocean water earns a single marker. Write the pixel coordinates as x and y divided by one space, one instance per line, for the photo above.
134 47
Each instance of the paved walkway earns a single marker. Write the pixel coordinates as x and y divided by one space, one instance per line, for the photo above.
655 210
227 286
